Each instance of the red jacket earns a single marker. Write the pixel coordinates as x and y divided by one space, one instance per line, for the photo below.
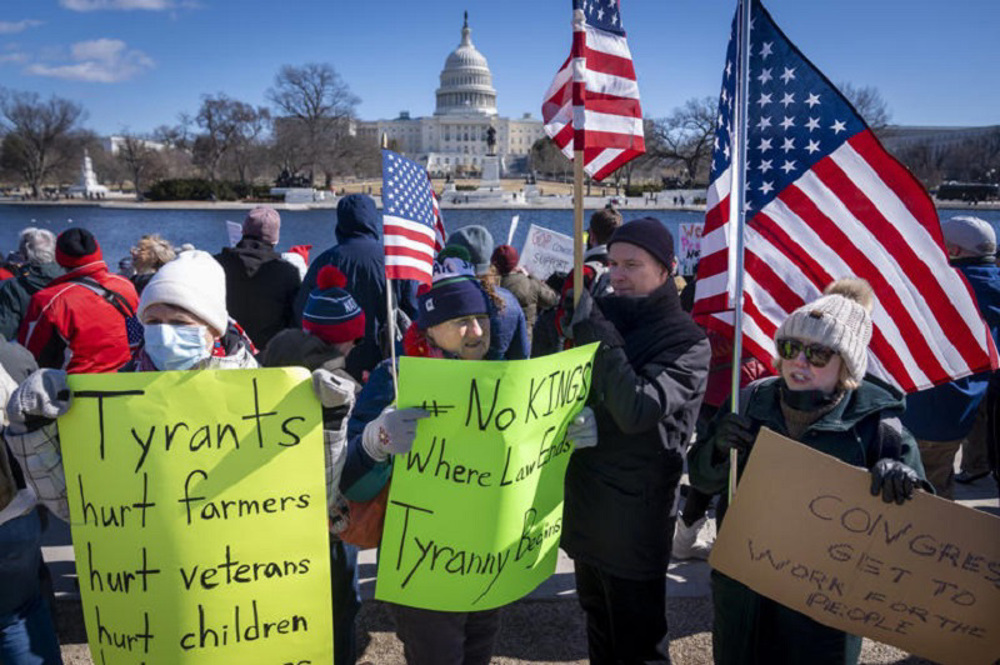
69 326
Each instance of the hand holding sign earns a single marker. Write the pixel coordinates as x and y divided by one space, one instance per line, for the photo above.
392 433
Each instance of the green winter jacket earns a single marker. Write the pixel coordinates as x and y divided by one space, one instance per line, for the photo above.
863 428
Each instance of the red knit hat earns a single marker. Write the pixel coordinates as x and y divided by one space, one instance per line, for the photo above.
504 259
331 313
77 247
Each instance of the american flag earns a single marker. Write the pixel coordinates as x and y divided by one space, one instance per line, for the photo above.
411 219
824 200
593 102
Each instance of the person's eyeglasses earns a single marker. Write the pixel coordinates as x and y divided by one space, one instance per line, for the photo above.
816 354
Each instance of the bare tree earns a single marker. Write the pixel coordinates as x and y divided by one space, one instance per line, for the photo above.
38 139
226 123
139 159
685 136
870 105
546 157
314 97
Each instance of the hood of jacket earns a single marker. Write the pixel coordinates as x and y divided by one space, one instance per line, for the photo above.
250 254
357 218
296 347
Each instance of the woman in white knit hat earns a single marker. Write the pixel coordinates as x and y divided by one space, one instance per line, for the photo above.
821 398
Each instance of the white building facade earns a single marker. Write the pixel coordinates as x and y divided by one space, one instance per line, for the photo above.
454 138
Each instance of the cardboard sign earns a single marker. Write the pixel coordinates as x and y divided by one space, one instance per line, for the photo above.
475 509
805 531
546 252
690 246
198 506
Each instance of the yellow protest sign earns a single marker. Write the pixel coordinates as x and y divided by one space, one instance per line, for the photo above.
805 531
475 509
199 521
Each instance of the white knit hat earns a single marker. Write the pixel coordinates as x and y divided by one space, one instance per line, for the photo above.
839 320
193 281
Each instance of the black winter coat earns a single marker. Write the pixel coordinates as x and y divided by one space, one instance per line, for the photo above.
646 396
16 292
260 288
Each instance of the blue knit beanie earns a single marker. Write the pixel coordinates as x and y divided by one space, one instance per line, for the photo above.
454 292
330 312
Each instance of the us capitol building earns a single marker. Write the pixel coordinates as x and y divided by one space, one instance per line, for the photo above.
454 138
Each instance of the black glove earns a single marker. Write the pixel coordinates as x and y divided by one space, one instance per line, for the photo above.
894 480
734 431
590 325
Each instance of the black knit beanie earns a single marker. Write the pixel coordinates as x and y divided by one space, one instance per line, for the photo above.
77 247
649 234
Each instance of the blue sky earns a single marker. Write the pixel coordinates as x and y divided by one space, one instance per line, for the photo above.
137 64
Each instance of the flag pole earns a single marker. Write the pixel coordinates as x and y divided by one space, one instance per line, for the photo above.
737 211
577 225
390 317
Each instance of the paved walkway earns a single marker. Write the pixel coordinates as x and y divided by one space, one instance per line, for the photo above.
545 627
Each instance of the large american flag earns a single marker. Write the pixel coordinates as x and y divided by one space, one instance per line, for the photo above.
824 200
593 102
411 219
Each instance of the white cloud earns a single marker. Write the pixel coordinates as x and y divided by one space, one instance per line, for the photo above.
95 5
16 58
98 61
13 27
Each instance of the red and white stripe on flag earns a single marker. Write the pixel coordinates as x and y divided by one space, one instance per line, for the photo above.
824 200
413 230
593 102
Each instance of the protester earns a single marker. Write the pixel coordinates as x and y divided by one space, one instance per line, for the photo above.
509 329
78 322
27 632
332 323
38 246
453 322
533 295
260 286
359 254
298 256
149 255
648 380
822 399
954 415
603 224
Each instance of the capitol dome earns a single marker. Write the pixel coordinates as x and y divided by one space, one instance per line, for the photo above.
466 81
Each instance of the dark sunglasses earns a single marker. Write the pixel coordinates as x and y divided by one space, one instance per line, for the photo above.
816 354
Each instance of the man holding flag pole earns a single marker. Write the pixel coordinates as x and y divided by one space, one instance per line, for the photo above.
649 374
823 252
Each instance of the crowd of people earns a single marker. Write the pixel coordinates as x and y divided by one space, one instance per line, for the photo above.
660 405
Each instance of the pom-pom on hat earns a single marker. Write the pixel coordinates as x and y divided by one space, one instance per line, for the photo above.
454 292
262 223
840 320
649 234
331 313
504 259
193 281
77 247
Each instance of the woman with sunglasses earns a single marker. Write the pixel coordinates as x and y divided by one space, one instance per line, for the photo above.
822 399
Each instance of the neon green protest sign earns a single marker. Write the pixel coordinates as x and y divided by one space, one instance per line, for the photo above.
199 521
475 508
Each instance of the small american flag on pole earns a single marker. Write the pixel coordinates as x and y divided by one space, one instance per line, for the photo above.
824 200
593 102
411 219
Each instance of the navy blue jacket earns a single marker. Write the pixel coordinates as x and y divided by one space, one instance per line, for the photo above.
508 330
947 412
360 256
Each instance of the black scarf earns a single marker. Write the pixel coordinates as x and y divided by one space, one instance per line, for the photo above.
652 324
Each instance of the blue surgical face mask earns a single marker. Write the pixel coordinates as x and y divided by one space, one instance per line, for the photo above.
175 346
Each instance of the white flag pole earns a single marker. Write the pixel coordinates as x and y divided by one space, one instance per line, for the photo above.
513 228
737 209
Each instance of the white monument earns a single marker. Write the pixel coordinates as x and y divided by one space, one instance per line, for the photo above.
87 185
